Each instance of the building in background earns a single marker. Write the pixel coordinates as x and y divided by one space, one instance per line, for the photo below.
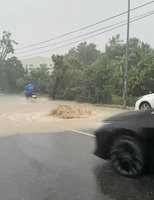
36 62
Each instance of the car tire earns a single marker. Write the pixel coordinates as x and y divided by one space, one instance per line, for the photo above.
145 106
128 156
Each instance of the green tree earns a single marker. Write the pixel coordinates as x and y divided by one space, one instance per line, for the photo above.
41 79
6 45
66 78
97 81
11 70
85 53
115 48
141 73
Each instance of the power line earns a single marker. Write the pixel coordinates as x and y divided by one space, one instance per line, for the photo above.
87 37
86 26
145 14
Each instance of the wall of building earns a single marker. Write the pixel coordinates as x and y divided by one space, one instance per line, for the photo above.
36 62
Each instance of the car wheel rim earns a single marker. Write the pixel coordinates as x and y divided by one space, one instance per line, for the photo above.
145 106
127 159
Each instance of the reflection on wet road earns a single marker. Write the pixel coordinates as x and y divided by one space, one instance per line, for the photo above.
61 166
117 187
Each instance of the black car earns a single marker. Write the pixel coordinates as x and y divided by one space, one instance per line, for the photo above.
127 140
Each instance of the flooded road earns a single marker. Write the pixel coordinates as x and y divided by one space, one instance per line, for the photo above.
58 164
18 115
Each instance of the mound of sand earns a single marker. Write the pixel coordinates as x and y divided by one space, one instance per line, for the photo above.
68 112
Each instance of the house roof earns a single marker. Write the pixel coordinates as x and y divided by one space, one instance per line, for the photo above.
39 58
37 61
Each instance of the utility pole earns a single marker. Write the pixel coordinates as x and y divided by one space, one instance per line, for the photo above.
126 64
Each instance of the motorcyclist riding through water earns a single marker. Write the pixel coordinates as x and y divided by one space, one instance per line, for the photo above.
29 90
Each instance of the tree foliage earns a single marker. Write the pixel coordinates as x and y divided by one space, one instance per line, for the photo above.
66 77
10 71
6 45
85 53
115 48
141 72
40 78
97 80
84 74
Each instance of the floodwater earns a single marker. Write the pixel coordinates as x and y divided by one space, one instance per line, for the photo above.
19 115
60 165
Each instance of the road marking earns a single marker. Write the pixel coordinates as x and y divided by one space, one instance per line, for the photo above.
81 132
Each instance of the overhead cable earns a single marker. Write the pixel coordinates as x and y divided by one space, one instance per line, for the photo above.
131 21
109 26
104 20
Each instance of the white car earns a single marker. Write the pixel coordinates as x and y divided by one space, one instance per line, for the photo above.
145 102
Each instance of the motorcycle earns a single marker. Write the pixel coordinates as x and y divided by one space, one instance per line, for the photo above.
32 95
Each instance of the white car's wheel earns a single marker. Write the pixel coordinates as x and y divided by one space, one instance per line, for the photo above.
145 106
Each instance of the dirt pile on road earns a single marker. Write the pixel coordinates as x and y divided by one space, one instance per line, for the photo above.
68 112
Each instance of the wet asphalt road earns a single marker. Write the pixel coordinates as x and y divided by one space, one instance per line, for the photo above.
61 166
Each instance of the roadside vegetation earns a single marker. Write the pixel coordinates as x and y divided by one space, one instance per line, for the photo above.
84 74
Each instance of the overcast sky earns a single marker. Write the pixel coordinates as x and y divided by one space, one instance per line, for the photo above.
34 21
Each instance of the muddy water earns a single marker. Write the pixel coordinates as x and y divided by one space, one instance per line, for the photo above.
18 115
